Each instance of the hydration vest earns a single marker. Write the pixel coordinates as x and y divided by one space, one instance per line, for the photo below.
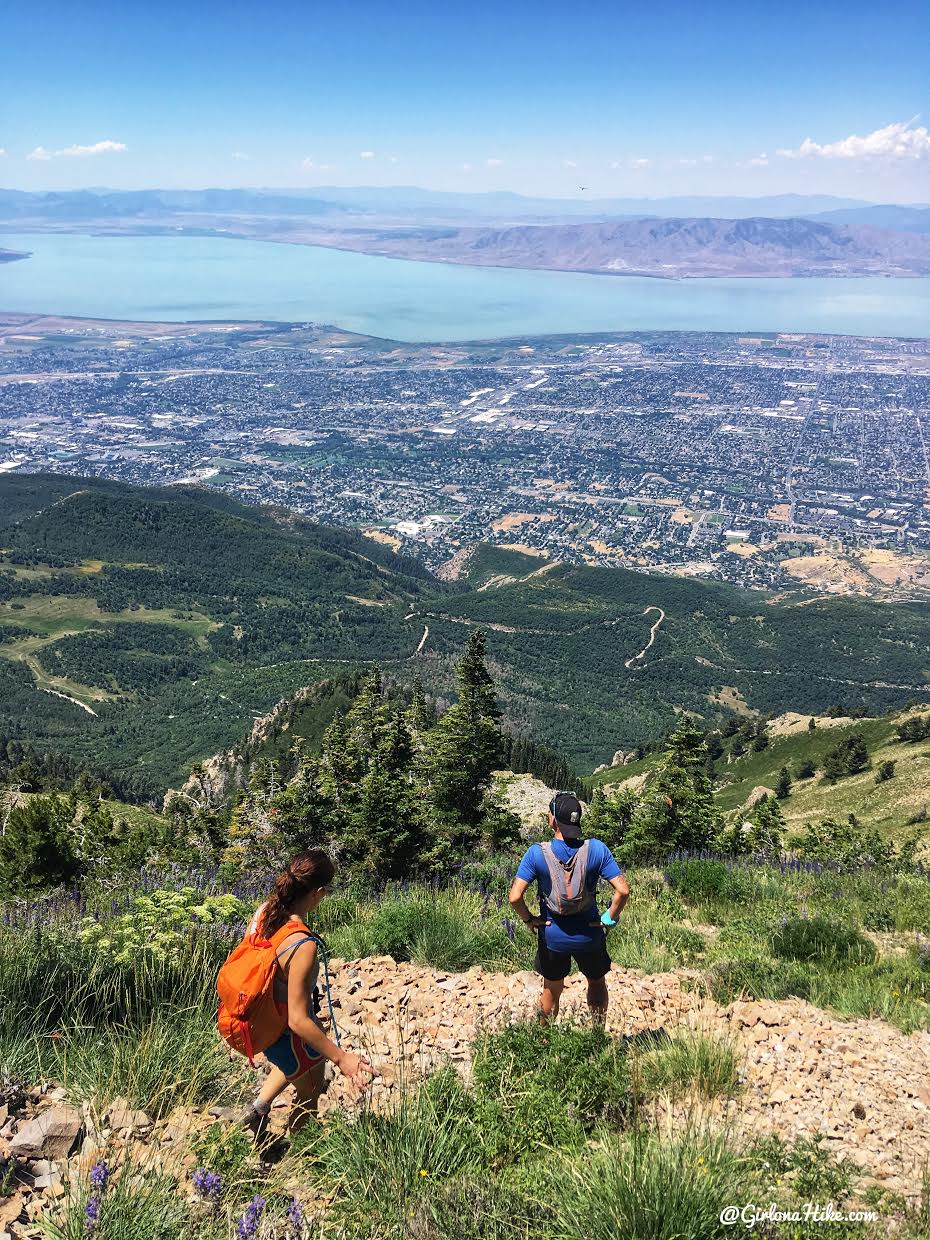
570 895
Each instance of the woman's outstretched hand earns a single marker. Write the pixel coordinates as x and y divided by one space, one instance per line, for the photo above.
356 1068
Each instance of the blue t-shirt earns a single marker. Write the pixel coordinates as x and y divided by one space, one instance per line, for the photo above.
569 934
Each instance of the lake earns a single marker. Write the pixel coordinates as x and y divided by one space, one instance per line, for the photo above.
188 278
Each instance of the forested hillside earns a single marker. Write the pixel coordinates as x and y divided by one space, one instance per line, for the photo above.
143 630
569 637
158 623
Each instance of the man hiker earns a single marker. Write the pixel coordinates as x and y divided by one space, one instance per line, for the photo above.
566 871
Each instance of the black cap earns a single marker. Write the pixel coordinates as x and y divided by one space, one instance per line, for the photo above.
565 808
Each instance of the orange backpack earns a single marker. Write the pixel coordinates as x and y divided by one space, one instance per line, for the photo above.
249 1019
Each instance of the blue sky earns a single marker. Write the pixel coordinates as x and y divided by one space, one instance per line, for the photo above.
538 97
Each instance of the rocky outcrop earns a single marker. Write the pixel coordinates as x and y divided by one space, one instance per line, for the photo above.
759 793
212 783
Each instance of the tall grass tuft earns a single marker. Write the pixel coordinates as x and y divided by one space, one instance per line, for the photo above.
688 1062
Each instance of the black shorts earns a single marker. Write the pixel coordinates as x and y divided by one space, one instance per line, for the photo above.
556 966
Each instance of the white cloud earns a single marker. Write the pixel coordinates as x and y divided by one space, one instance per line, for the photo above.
310 165
466 167
687 163
707 159
96 148
107 146
759 161
569 163
392 159
238 155
901 140
494 163
366 154
2 151
640 163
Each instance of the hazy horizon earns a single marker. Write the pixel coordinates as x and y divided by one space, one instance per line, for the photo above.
625 101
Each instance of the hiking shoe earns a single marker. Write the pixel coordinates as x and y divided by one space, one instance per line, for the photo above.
254 1122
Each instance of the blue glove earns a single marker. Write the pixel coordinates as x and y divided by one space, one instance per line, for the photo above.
607 920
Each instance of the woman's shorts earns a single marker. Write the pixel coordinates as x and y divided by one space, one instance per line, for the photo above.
292 1055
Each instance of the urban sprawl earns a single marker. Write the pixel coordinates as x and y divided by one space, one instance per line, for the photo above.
770 460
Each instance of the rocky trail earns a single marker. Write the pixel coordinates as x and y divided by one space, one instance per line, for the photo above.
862 1084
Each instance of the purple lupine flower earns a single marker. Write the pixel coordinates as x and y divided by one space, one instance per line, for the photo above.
248 1224
295 1218
209 1184
92 1213
99 1175
510 928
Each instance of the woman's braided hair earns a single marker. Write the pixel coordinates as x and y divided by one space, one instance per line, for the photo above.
307 872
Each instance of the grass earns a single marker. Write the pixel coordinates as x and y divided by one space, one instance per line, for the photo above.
174 1060
51 617
548 1134
689 1063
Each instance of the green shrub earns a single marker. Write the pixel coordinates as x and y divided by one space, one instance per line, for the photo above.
818 939
544 1086
37 846
815 1174
450 930
911 903
878 919
699 879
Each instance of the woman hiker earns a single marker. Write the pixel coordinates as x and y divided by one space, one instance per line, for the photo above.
299 1054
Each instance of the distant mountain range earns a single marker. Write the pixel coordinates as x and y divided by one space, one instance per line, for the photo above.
410 203
665 247
784 235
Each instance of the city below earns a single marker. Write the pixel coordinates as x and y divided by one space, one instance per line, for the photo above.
778 461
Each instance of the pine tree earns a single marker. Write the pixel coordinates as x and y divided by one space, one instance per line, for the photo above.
677 810
465 745
783 786
609 816
418 717
338 770
766 839
38 848
367 722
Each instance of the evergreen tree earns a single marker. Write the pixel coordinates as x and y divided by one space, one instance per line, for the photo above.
806 770
783 786
367 722
885 771
338 770
418 717
609 816
38 847
678 809
766 838
465 745
848 758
